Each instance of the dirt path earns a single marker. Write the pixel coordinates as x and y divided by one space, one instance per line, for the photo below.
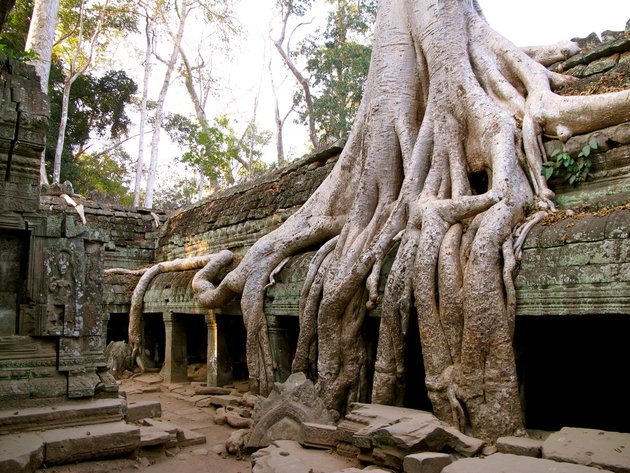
207 458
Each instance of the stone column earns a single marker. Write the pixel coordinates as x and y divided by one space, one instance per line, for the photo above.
280 348
175 357
213 360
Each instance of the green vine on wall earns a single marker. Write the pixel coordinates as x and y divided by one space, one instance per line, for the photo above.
573 171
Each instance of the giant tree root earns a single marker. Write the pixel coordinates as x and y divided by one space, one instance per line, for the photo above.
447 100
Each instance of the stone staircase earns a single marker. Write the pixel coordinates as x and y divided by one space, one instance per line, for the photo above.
74 431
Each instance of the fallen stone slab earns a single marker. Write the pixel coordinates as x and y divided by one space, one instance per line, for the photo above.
71 413
371 469
282 414
524 446
607 450
21 453
426 462
319 435
89 442
221 400
212 390
505 463
137 410
186 438
237 421
163 426
287 456
153 437
395 432
149 378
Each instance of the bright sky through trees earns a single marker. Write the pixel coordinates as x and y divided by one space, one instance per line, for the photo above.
243 75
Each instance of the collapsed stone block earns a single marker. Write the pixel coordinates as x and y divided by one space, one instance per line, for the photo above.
520 446
426 462
606 450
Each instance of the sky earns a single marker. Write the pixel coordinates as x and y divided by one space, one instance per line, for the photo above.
244 71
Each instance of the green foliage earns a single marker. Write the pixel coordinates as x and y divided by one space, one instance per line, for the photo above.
97 108
7 51
15 31
215 149
338 61
107 173
574 171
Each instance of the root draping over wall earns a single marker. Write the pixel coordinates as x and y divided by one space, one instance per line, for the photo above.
447 98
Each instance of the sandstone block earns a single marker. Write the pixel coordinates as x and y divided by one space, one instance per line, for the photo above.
21 453
319 435
153 436
237 421
285 456
426 462
137 410
189 437
211 390
606 450
502 463
89 442
520 446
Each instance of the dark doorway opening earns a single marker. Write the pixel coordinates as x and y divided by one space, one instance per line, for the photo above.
416 394
196 346
118 328
573 371
232 358
154 336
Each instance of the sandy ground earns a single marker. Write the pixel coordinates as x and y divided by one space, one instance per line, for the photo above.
208 458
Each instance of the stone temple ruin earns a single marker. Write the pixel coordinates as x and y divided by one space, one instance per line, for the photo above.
60 308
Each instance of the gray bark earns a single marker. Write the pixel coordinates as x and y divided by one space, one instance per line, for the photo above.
446 96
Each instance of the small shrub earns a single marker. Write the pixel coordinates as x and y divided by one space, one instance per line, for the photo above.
573 171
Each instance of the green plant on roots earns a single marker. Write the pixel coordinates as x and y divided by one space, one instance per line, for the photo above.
574 171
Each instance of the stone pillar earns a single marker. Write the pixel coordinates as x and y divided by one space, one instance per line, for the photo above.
280 348
213 358
175 357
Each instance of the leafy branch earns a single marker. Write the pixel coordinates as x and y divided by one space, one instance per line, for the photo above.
573 171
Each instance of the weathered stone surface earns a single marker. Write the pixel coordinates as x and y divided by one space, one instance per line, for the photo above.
520 446
237 421
606 450
153 436
137 410
282 415
187 437
426 462
222 400
235 444
285 456
89 442
21 453
220 416
319 435
211 390
395 432
61 415
504 463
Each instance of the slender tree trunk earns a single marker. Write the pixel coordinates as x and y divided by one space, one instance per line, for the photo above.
63 121
143 110
279 44
40 39
159 110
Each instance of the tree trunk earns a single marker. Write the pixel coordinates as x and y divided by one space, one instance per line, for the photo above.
159 108
63 121
446 97
143 111
40 39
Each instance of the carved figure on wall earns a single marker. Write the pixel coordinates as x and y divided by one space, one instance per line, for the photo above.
60 308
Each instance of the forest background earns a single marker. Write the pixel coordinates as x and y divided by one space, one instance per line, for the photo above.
171 100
